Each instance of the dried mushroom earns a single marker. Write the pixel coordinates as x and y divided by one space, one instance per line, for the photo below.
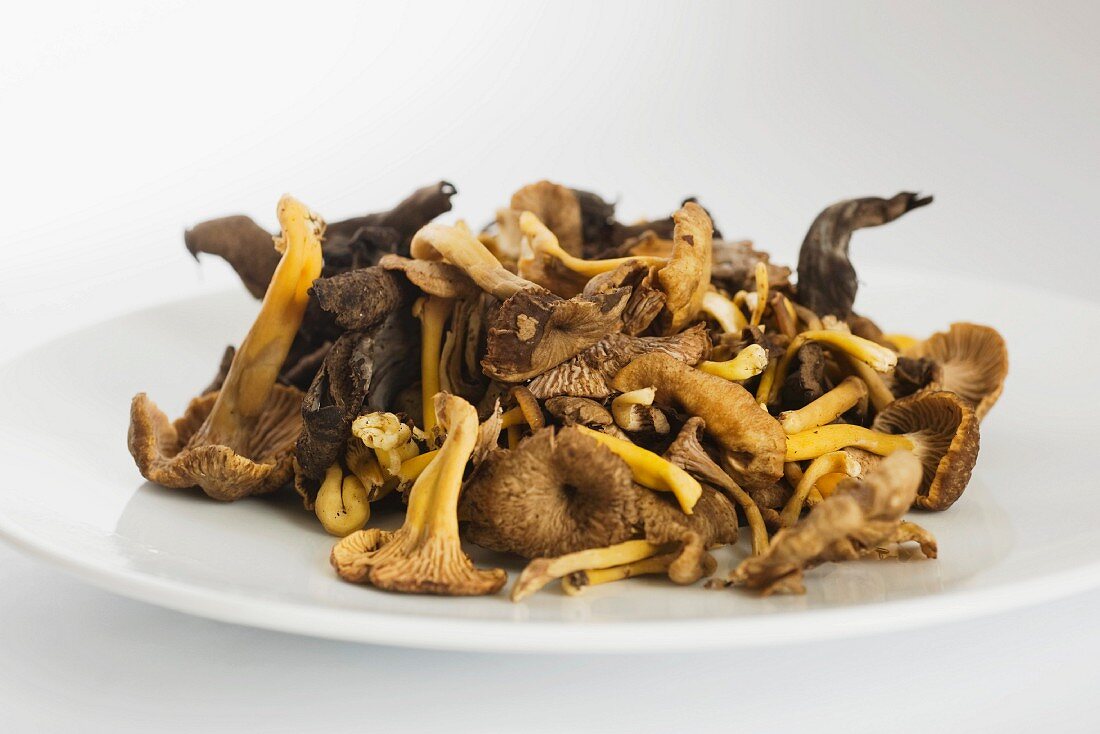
827 281
861 517
753 441
242 243
556 493
972 361
239 441
686 277
424 556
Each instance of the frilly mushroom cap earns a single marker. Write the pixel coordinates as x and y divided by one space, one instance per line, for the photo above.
686 277
160 447
557 207
944 431
434 277
754 441
556 493
862 515
534 330
589 373
973 360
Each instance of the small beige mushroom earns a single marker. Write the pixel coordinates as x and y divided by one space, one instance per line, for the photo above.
686 278
754 441
973 360
634 412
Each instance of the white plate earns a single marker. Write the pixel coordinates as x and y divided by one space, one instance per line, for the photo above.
1025 531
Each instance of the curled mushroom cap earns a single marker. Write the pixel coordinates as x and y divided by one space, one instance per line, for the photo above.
557 207
754 441
713 522
862 516
556 493
973 360
686 277
424 556
245 245
827 281
944 431
239 440
434 277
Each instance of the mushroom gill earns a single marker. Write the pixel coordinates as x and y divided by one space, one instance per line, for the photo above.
239 441
973 361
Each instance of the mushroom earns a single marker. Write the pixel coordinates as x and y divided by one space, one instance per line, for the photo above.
734 262
577 581
911 374
425 555
724 311
686 277
749 362
359 299
862 516
646 299
850 393
834 462
388 436
459 371
936 425
433 313
341 504
573 411
876 356
533 330
550 266
239 441
556 206
973 361
245 245
827 281
541 571
412 213
634 412
754 441
809 380
687 452
433 277
557 492
588 374
761 302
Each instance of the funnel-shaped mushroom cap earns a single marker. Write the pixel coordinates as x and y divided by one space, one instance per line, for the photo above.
944 430
557 207
973 359
555 493
263 464
713 522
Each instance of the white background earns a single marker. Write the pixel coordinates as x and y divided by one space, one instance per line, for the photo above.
122 124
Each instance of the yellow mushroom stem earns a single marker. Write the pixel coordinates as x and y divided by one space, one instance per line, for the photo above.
826 485
880 393
826 408
545 243
433 313
763 389
622 404
650 470
541 571
749 362
575 582
514 435
875 355
902 341
412 468
819 441
363 463
260 356
723 310
792 472
761 294
834 461
512 417
341 504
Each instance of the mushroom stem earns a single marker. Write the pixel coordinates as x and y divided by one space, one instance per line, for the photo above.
826 408
541 571
460 247
749 362
514 433
806 316
433 313
575 582
818 441
761 294
880 394
341 504
622 407
262 353
785 316
826 485
723 310
875 355
545 244
650 470
835 461
512 417
414 467
903 342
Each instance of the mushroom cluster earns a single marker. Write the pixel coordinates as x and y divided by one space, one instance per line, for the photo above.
603 400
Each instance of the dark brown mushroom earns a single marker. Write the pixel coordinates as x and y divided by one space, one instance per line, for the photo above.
827 281
733 267
646 299
245 245
412 213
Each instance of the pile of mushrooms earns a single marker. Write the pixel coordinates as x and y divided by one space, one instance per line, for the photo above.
603 400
